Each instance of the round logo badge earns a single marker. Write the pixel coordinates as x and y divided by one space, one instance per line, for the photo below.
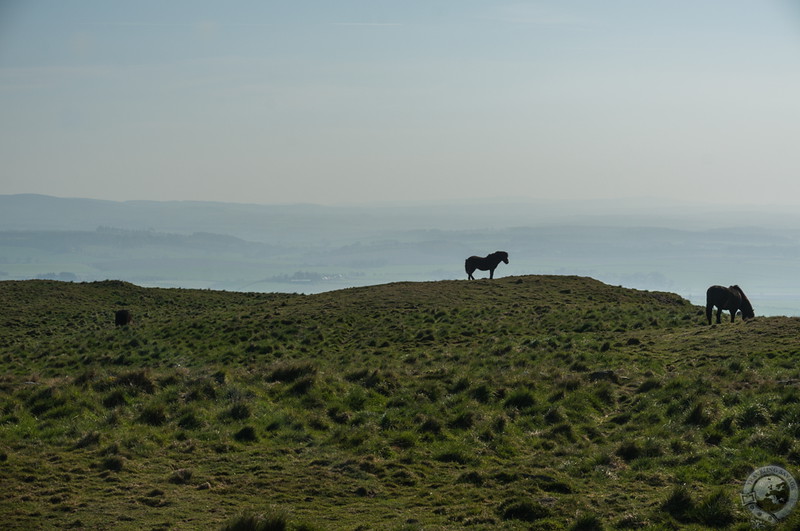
770 493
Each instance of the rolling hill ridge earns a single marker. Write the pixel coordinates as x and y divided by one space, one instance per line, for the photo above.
524 402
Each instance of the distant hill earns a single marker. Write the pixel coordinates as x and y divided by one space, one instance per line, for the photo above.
527 402
315 223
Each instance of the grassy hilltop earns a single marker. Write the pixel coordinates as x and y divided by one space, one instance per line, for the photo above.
525 402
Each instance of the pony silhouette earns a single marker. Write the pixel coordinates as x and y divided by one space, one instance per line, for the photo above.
123 317
732 298
485 263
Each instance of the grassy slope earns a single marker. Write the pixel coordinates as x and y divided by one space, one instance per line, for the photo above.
536 401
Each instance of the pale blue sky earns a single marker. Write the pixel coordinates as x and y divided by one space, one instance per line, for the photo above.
361 101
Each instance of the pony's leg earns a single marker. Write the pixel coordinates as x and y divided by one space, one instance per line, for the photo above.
733 314
491 273
709 311
719 314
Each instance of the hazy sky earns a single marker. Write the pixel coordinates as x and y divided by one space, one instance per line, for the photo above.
377 100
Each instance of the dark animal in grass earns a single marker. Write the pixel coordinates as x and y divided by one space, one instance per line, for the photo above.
732 298
123 317
485 263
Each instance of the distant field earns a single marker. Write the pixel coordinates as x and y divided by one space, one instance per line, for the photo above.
528 402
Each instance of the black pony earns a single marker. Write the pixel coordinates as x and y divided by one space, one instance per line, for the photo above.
123 317
485 263
732 298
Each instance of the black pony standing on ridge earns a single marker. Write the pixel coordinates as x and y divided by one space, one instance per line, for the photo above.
732 298
485 263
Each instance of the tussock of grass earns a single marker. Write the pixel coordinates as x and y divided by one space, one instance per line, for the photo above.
290 371
114 463
250 521
181 476
246 434
587 523
238 411
520 399
715 511
522 509
154 415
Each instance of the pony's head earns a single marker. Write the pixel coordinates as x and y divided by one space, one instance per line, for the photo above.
502 255
746 307
747 310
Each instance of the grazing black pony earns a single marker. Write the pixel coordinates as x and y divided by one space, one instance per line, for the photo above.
732 298
485 263
123 317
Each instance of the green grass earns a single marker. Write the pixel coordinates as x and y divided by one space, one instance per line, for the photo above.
525 402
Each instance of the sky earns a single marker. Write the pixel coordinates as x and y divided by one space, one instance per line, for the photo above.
401 100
